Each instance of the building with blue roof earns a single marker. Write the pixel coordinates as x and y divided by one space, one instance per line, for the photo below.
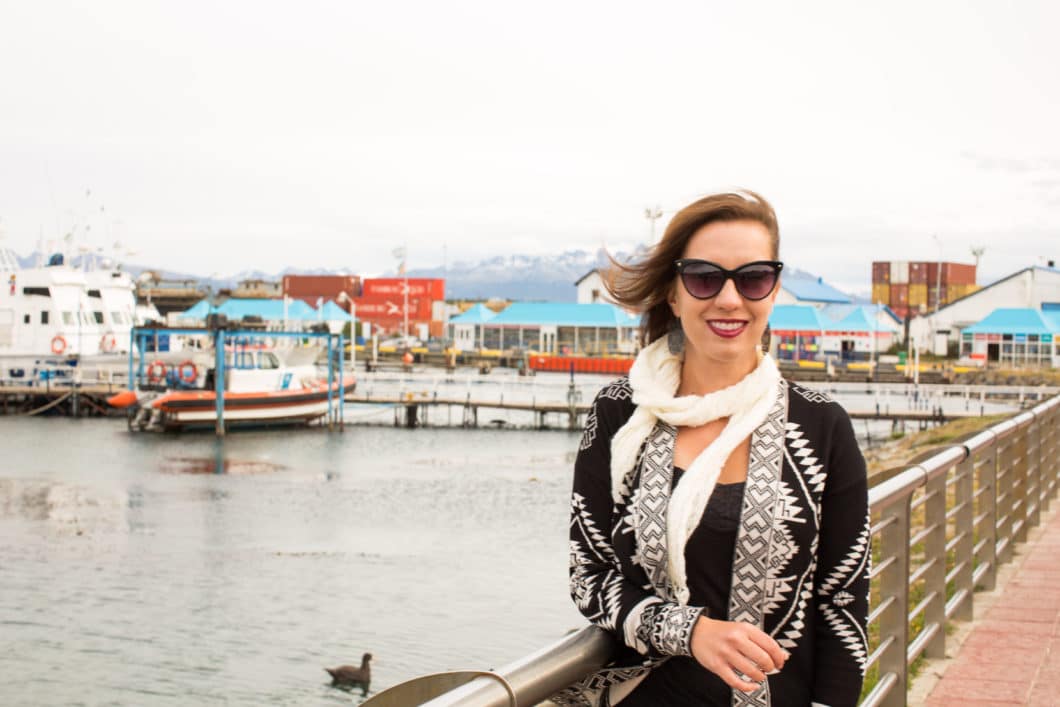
562 328
803 289
1036 287
1017 337
465 329
803 332
275 314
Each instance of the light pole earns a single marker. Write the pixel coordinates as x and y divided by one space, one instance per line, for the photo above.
653 214
400 254
938 275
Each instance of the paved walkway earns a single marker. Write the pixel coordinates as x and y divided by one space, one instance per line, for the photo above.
1010 653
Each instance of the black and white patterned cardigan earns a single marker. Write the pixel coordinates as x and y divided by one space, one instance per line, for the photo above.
800 566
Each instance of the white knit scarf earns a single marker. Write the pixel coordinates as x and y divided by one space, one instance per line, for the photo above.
655 377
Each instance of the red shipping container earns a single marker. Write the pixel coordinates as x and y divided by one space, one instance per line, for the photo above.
437 329
392 307
918 273
958 274
309 288
881 273
431 288
899 295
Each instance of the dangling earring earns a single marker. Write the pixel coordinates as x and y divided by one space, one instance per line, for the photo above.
675 338
767 335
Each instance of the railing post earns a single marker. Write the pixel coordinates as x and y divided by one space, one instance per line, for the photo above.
1004 501
1032 445
1048 463
935 577
964 529
987 512
1021 497
894 582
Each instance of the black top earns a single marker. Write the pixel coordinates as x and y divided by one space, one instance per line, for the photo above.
683 681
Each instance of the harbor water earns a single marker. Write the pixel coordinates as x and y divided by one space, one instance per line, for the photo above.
145 569
180 569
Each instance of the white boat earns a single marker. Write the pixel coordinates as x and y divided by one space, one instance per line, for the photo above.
57 321
261 387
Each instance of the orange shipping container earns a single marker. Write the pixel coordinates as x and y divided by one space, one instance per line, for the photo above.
918 294
881 293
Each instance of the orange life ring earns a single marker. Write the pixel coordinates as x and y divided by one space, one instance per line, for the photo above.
187 372
58 344
156 371
108 343
408 358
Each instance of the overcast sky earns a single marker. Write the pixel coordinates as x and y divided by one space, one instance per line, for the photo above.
216 137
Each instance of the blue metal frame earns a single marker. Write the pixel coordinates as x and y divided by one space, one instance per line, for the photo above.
139 335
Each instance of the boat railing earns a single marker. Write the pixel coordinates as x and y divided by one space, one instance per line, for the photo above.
940 530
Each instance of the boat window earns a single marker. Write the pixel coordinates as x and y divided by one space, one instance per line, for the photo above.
85 319
68 318
94 293
98 316
268 360
43 291
118 318
44 317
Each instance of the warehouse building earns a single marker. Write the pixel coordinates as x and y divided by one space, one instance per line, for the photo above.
1017 338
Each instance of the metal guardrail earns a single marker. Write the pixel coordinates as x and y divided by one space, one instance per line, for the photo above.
948 521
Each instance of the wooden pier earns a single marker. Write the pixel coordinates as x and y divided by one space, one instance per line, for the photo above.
413 411
61 400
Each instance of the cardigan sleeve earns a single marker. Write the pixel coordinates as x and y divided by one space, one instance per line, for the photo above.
601 590
842 588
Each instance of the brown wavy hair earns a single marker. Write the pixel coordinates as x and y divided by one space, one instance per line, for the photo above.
645 286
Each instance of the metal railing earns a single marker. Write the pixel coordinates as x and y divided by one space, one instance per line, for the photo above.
940 530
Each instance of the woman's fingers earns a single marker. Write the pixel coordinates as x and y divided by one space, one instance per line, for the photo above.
740 654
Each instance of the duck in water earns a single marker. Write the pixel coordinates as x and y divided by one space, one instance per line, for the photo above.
350 676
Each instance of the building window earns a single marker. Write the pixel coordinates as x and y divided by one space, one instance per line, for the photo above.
44 317
25 319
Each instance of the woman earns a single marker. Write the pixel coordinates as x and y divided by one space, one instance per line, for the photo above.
719 520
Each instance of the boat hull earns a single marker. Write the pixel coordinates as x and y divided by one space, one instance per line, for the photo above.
176 410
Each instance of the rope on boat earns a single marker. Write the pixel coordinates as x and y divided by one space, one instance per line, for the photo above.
49 406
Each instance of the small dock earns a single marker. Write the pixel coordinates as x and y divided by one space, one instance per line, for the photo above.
62 400
414 411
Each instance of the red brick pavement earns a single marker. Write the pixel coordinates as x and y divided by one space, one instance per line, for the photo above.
1012 654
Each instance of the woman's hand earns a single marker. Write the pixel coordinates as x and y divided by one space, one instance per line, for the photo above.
723 647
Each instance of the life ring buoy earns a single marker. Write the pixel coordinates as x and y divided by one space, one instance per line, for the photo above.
187 372
108 343
58 344
156 371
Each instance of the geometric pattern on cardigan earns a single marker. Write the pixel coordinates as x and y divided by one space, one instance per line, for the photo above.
649 507
751 559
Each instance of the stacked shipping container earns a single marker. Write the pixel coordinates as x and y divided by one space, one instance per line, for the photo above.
379 301
910 288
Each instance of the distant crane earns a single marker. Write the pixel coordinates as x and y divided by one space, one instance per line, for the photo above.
977 252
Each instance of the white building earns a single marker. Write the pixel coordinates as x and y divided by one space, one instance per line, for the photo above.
1029 288
591 288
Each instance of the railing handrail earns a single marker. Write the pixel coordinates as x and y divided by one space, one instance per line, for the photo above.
536 676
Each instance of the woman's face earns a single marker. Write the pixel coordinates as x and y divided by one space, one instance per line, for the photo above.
727 327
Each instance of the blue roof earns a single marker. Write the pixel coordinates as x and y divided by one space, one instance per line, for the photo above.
1052 316
479 314
813 290
861 319
267 309
597 314
1014 321
839 312
334 313
198 311
796 317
